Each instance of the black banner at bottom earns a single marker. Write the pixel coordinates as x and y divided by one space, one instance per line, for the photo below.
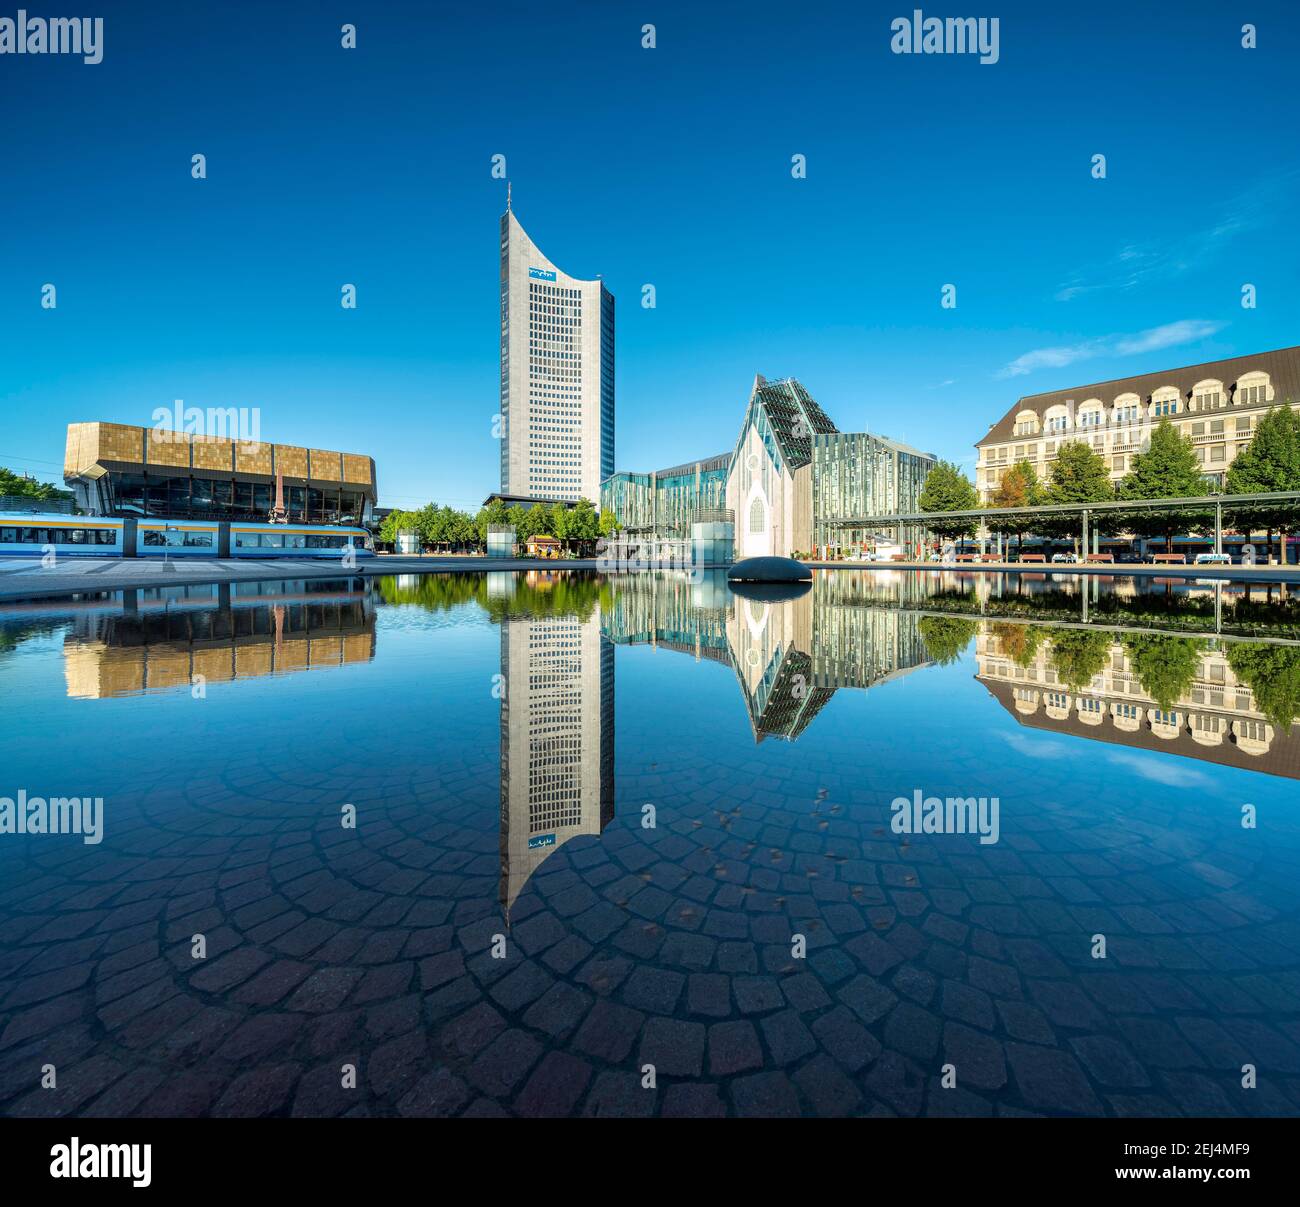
341 1156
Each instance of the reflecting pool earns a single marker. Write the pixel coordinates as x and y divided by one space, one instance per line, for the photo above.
906 843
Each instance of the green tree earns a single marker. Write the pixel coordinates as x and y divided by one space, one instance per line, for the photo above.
1078 475
1019 642
1078 656
396 522
946 488
495 515
536 522
560 522
1019 488
517 518
29 488
583 524
1270 462
1167 470
946 637
608 522
459 528
1272 673
1165 666
432 525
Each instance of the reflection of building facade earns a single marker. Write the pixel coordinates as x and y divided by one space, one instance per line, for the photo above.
557 376
114 469
557 740
1218 720
769 650
681 611
789 656
856 646
1217 404
276 630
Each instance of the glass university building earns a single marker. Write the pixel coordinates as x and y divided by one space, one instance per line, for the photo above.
858 474
665 503
793 484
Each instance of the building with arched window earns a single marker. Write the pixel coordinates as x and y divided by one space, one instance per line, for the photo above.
1217 405
789 485
797 482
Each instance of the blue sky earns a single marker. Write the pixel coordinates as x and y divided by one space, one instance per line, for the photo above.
668 166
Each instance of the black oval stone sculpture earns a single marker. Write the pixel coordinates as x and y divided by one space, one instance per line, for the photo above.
769 570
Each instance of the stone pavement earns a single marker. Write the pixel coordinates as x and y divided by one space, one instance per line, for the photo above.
669 947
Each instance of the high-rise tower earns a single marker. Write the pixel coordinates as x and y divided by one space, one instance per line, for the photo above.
557 375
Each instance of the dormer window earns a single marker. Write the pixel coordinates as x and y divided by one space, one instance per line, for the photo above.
1209 395
1253 390
1092 414
1026 424
1057 419
1165 401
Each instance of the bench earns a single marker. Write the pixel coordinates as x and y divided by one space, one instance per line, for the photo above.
1180 558
968 557
1101 557
1033 557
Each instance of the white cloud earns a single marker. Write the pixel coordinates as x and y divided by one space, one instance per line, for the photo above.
1185 331
1036 747
1139 264
1155 767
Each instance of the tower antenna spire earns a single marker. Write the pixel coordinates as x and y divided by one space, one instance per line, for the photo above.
507 196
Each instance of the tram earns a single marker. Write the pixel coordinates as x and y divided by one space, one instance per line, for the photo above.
35 534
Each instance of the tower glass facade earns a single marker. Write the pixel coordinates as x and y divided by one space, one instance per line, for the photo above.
557 375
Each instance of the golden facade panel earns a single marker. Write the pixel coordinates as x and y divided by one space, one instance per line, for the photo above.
358 470
326 466
291 461
168 448
254 458
213 452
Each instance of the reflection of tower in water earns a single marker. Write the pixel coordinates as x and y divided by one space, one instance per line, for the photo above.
557 740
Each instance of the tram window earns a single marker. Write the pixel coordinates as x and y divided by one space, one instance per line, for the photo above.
295 542
318 542
152 537
198 540
35 536
246 540
8 536
105 536
70 536
272 540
